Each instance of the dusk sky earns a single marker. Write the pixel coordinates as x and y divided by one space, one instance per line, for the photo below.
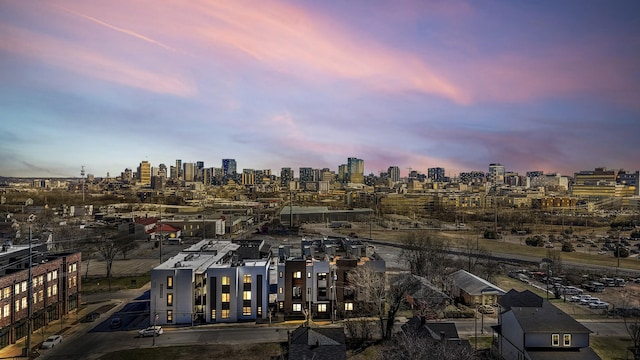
533 85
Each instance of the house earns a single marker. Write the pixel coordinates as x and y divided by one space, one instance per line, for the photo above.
534 329
474 290
437 332
326 343
421 295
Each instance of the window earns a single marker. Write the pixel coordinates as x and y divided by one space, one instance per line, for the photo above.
567 339
226 280
54 274
281 274
169 299
24 286
169 316
246 279
40 295
348 306
297 275
213 314
322 307
24 302
226 297
6 292
280 290
169 282
246 310
69 268
246 295
225 313
297 307
309 275
48 291
555 340
75 266
35 297
6 310
54 289
48 276
17 289
17 305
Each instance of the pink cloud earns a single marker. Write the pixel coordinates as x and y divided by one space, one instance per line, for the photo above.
76 59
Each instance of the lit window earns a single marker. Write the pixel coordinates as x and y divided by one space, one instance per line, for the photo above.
6 310
297 307
54 274
49 276
17 305
6 292
246 279
169 282
169 299
246 310
280 290
24 286
213 314
308 274
281 274
348 306
48 291
75 267
555 340
17 289
226 297
169 316
24 302
567 339
246 295
226 280
225 313
35 298
322 307
297 275
54 289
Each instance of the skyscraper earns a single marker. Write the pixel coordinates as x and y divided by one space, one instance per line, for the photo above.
144 173
286 175
229 167
355 168
178 169
189 173
436 174
496 173
394 173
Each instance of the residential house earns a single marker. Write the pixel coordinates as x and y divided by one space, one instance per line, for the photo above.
326 343
473 290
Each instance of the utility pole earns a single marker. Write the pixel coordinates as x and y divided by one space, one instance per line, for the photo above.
160 234
29 300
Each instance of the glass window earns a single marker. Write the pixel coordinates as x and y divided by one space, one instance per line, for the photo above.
246 295
226 280
226 297
281 274
169 316
297 275
24 286
246 310
169 282
309 274
7 292
246 279
24 302
17 305
297 307
213 314
555 340
225 313
567 339
348 306
169 299
280 290
6 309
54 289
322 307
54 274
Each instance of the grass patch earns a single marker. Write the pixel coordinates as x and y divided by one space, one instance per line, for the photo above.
484 342
611 347
218 351
97 285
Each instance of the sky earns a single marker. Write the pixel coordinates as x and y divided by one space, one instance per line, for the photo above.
533 85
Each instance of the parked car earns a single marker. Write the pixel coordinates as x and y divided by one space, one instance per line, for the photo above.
588 301
115 323
91 317
485 309
578 298
151 331
51 341
599 305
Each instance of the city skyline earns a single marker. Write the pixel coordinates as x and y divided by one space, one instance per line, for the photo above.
278 84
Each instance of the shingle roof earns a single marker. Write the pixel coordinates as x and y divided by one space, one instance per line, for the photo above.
317 343
574 354
474 285
514 298
546 319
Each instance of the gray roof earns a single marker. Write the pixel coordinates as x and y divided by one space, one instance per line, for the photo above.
317 343
474 285
514 298
546 319
586 353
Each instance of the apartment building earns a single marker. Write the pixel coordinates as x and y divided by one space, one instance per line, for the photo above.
53 289
315 277
212 281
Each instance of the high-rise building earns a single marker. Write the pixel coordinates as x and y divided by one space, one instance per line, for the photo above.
189 172
394 173
343 173
144 173
229 167
162 170
496 174
436 174
306 175
179 169
248 177
355 168
286 176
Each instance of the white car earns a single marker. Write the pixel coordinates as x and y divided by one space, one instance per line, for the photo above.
589 301
151 331
51 341
578 298
599 305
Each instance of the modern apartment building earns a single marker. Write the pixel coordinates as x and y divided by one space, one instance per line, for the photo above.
496 174
144 173
212 281
315 277
53 289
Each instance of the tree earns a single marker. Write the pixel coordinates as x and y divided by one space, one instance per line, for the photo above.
555 261
426 256
567 247
420 347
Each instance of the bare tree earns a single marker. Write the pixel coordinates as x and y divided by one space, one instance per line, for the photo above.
413 347
426 256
